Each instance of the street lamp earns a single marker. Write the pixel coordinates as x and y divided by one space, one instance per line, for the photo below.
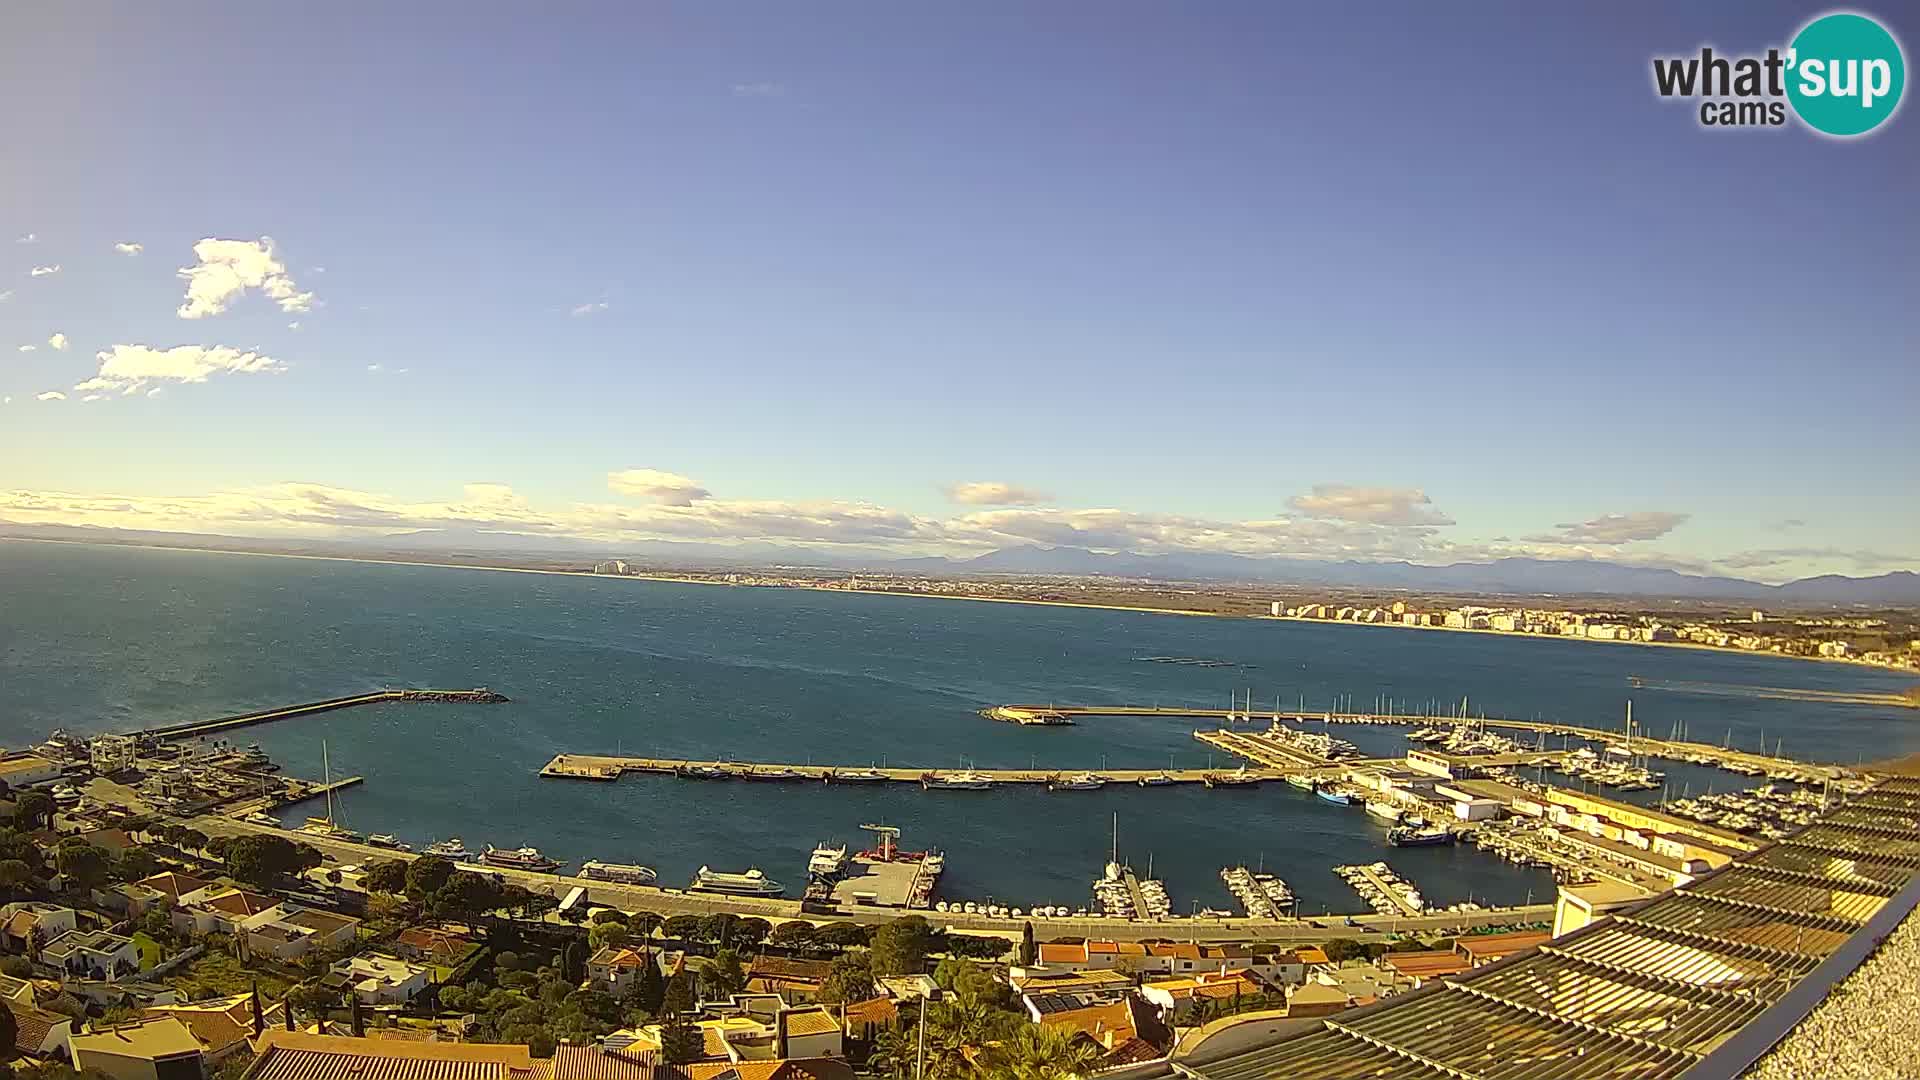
920 1054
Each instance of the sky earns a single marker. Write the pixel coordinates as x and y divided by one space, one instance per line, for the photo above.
1430 282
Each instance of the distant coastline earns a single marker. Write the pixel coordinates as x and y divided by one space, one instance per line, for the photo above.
1139 609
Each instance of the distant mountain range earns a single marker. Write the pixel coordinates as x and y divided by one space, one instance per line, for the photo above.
1513 577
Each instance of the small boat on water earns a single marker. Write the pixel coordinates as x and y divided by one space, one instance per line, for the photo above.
1158 779
1334 796
965 780
704 772
1237 778
1303 781
854 776
778 774
1085 781
526 858
325 829
381 839
1404 836
450 848
618 873
827 860
751 883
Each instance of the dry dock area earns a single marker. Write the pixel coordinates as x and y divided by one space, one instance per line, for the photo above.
595 767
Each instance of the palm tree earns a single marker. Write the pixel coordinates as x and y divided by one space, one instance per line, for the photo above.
1036 1052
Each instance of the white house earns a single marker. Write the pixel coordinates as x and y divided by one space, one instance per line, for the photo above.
380 980
95 953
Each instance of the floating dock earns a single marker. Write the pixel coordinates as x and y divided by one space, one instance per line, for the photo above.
195 728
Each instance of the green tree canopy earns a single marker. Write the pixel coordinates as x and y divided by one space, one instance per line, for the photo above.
33 810
679 995
681 1041
900 947
260 859
388 877
849 980
723 976
426 875
81 865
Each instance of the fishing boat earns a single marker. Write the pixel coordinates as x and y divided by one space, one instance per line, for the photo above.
750 883
1303 781
1334 795
1385 811
827 860
854 776
965 780
1237 778
617 873
450 848
1158 779
1085 781
1405 836
781 773
525 858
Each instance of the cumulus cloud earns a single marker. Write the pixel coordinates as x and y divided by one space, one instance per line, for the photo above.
28 348
591 307
668 489
994 493
128 369
228 268
26 238
6 295
1616 528
50 395
759 89
1372 505
58 341
125 247
43 271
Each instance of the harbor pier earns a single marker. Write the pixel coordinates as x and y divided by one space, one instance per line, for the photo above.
196 728
605 768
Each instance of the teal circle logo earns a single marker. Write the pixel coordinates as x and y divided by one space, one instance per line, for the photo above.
1845 74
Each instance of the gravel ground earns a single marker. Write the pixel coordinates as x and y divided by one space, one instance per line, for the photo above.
1867 1029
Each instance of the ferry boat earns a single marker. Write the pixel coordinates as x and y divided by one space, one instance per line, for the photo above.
827 861
704 772
1385 811
450 848
1334 796
854 776
781 773
1236 778
617 873
1158 779
750 883
965 780
1410 837
525 858
1085 781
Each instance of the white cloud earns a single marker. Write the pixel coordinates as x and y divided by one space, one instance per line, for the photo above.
668 489
58 341
8 400
376 368
228 268
592 307
1615 528
1371 505
93 397
6 296
28 348
294 325
27 238
129 248
158 391
128 369
759 89
50 395
43 271
994 493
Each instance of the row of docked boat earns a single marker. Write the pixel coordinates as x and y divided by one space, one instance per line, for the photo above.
1620 775
1263 895
1765 811
1315 743
523 858
778 774
1385 891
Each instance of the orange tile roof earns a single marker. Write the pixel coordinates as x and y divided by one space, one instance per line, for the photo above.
31 1026
1179 950
593 1063
220 1023
1312 954
873 1011
811 1022
1433 964
795 1069
296 1055
1062 954
173 884
1485 947
239 903
1108 1024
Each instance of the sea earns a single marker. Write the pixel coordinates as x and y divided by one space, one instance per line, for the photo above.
110 638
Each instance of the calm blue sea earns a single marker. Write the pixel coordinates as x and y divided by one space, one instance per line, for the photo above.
103 638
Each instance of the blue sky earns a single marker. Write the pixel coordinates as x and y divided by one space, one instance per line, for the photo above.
1158 274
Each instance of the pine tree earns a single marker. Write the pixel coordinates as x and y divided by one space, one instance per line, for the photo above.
1028 950
651 989
681 1040
679 995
